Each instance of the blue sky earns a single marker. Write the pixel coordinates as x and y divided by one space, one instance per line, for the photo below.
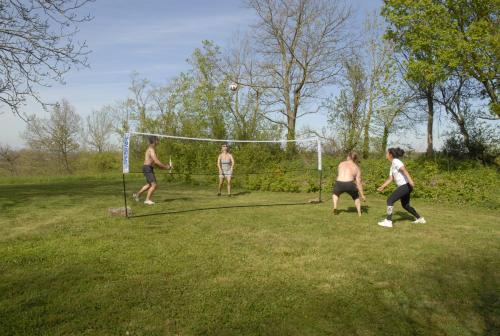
154 38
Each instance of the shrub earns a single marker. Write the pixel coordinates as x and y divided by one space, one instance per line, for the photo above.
105 161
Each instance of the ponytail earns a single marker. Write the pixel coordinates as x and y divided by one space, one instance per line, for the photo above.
396 152
353 156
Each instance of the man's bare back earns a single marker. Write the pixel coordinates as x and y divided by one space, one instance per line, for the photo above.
348 181
347 171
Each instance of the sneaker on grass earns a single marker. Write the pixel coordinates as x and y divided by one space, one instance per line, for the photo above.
149 202
385 223
421 220
136 197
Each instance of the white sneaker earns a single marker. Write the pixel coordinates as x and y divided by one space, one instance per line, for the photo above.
421 220
385 223
149 202
136 197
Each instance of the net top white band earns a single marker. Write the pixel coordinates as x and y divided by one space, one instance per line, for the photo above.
225 140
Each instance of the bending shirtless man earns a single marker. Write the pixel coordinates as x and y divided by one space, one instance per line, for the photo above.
150 159
349 181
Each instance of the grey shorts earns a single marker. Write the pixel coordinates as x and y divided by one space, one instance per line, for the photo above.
225 173
149 174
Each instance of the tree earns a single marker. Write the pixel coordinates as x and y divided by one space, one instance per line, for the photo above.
392 102
141 97
163 105
387 117
416 29
483 142
9 158
57 135
121 113
99 128
301 44
379 55
348 111
37 46
470 45
442 39
246 117
210 94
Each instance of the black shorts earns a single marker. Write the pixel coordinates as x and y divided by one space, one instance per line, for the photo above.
149 174
346 187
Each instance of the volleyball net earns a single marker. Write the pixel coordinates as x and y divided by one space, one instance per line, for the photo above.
266 172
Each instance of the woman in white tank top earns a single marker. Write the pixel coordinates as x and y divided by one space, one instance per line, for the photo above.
403 180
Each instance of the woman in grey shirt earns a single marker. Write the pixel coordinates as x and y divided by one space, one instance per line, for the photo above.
225 163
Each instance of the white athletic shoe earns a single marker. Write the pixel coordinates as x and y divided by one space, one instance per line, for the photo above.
149 202
136 197
421 220
385 223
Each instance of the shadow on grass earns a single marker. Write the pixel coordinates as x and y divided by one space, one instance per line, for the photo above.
67 193
168 200
364 210
454 303
438 301
217 208
402 216
241 193
83 188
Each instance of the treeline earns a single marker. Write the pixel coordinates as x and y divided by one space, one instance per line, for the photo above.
412 64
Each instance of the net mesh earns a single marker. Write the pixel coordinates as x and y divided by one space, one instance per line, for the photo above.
265 173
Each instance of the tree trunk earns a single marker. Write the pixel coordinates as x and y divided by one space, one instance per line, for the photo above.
465 133
66 163
430 120
350 140
385 138
366 133
291 122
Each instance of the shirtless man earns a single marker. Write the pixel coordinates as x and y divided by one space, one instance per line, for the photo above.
349 181
150 159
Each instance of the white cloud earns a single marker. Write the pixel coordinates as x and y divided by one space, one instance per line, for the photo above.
170 31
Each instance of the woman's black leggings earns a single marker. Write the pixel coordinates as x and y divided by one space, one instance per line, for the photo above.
401 193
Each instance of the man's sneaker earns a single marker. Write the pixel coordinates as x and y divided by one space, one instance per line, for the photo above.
421 220
385 223
136 197
149 202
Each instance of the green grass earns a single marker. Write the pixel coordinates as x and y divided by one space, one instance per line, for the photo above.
68 268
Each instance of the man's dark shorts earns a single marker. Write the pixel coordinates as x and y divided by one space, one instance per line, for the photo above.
149 174
346 187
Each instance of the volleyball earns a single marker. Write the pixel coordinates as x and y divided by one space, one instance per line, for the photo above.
233 87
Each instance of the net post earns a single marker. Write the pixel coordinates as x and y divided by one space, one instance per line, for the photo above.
320 167
125 167
125 196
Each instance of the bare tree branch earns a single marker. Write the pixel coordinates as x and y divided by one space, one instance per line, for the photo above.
300 44
37 47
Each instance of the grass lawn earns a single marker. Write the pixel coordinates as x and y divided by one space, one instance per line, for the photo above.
68 268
